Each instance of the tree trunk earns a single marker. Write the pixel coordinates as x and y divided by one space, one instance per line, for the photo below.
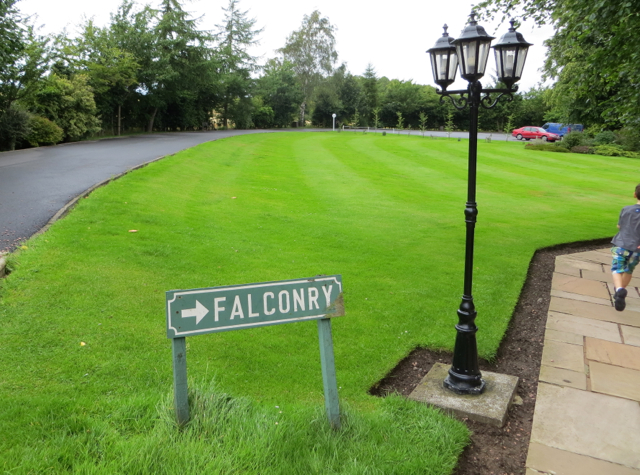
302 109
119 116
153 117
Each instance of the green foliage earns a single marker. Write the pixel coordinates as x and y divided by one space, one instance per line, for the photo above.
573 139
546 147
43 132
376 117
14 125
400 123
582 149
449 125
280 91
409 99
604 138
612 150
69 103
592 55
370 99
629 137
508 128
423 122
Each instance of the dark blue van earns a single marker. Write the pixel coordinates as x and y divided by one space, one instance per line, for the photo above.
561 129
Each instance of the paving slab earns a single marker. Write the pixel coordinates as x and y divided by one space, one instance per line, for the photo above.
631 335
583 326
563 377
565 337
582 298
577 264
594 311
567 269
563 355
577 285
611 353
587 423
549 460
594 256
490 407
616 381
599 276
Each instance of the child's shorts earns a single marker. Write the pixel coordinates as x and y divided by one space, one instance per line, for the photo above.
624 261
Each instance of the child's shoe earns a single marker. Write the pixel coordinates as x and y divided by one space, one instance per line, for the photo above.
618 299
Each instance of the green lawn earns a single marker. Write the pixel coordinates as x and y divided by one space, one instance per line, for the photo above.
86 384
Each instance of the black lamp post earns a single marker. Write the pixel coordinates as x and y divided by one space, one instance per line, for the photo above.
471 50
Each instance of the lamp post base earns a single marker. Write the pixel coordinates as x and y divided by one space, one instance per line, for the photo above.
461 384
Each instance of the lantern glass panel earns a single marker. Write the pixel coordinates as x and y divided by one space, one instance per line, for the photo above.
444 64
474 55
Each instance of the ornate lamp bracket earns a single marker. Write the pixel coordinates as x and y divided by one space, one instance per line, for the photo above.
486 98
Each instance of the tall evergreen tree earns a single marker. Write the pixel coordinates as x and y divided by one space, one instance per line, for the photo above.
370 92
235 36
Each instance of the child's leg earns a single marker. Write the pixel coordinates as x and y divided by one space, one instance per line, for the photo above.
621 280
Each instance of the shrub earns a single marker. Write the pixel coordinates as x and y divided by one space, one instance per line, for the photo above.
582 149
14 125
604 138
43 132
573 139
546 147
629 138
614 151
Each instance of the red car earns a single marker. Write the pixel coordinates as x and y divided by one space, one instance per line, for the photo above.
529 133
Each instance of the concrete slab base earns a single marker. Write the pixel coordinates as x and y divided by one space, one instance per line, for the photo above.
490 407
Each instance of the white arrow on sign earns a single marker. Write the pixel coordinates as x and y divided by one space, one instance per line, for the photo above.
199 312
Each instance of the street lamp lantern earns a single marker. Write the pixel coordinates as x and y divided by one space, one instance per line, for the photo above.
473 50
444 60
511 53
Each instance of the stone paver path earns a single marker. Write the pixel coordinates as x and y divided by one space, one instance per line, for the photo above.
587 415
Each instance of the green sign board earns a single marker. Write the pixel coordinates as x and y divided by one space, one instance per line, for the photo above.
233 307
216 309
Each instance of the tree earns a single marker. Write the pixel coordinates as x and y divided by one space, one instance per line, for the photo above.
376 117
311 50
400 124
235 36
593 55
14 125
423 122
69 103
112 71
370 92
450 125
508 128
280 91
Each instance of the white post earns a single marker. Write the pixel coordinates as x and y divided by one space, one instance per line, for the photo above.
334 122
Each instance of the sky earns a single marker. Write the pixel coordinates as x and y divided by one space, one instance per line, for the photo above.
393 37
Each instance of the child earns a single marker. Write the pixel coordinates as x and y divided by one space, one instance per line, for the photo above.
625 251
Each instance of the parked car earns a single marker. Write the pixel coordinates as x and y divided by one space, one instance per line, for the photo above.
562 129
529 133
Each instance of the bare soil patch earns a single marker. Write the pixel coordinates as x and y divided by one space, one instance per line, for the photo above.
501 451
